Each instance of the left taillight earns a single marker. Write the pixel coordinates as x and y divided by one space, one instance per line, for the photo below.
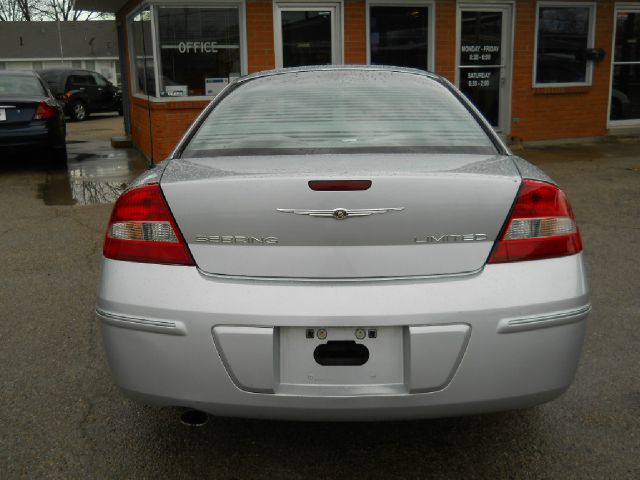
541 225
45 111
142 229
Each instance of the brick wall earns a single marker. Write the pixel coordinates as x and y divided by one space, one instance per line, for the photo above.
550 113
169 121
539 113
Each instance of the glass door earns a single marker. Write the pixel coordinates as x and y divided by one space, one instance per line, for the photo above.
625 84
307 35
483 56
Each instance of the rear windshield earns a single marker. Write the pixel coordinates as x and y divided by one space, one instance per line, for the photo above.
20 86
338 111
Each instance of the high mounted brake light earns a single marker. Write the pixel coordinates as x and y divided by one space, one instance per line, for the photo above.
339 185
142 229
541 225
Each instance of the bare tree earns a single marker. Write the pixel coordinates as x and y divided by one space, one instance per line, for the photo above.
9 11
63 10
58 10
16 10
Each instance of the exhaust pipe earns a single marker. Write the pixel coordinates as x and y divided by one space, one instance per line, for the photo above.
194 418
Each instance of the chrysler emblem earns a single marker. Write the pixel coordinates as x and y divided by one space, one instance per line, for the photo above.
341 213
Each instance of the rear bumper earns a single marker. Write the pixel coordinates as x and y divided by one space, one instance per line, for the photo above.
35 134
525 322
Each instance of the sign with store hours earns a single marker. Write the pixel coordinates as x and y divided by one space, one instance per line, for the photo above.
481 78
480 54
478 79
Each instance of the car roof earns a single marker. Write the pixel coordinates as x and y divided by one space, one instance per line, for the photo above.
325 68
21 73
64 70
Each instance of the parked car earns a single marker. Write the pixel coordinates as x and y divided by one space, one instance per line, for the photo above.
83 92
343 243
30 117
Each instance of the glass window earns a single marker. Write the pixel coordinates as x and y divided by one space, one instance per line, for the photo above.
142 52
76 63
100 80
564 33
81 80
36 65
306 37
20 85
340 111
90 64
625 91
199 49
399 36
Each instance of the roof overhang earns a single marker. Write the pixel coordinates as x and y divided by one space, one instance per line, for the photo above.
110 6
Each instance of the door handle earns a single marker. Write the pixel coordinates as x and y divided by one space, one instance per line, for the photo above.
99 89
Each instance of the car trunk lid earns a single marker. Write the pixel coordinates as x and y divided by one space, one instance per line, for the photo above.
17 110
253 216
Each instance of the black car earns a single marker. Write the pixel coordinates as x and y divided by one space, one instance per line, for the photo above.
82 92
29 115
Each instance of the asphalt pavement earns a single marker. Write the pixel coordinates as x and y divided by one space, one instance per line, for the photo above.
62 417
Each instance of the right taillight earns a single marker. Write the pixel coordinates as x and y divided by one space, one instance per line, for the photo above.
541 225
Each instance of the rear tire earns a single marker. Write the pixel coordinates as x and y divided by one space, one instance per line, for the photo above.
78 111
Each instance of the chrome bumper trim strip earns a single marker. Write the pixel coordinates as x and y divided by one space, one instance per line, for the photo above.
520 324
409 278
147 324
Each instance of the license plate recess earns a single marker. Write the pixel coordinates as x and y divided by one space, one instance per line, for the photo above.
306 363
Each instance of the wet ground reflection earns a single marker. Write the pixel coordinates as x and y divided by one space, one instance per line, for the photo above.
95 174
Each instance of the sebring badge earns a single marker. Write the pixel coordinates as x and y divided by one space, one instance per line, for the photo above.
341 213
237 239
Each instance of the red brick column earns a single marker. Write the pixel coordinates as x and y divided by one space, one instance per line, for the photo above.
355 35
445 47
260 42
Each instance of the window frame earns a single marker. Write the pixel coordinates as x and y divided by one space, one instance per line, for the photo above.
98 77
593 12
155 43
431 34
619 7
133 69
337 26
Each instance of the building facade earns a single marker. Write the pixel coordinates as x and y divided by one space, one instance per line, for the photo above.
538 70
37 45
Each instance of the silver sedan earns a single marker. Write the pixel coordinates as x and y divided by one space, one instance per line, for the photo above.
343 243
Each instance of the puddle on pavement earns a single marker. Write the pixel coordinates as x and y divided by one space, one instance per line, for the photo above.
91 178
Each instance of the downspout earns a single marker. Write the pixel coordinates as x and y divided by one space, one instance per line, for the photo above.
60 43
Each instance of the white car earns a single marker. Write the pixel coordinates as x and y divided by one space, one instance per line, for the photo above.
343 243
